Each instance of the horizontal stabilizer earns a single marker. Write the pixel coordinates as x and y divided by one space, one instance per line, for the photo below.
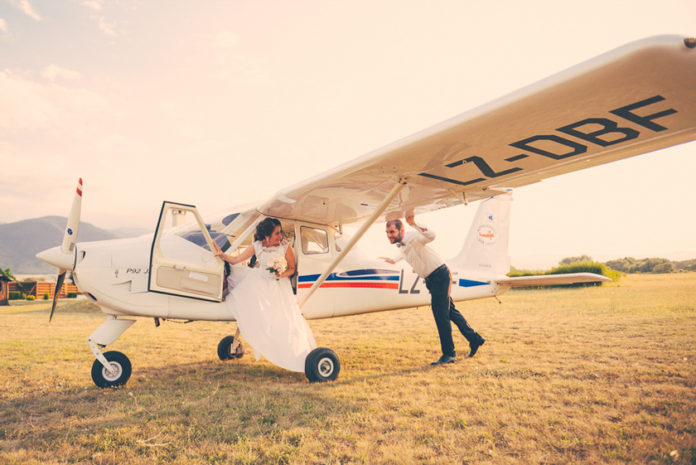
552 279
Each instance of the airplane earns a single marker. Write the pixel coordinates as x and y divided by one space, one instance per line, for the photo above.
635 99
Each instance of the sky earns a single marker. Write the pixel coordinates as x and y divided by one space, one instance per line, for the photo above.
220 103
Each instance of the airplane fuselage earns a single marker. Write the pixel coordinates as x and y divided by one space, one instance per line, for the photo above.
114 274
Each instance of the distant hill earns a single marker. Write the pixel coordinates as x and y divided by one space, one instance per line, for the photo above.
22 240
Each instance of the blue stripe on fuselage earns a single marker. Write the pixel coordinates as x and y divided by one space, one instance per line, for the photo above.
354 275
470 283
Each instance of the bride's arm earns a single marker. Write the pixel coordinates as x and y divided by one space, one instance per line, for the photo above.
290 258
244 256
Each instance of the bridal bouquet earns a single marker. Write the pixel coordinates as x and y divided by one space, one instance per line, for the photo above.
277 265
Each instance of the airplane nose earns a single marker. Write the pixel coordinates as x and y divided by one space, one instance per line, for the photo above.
58 258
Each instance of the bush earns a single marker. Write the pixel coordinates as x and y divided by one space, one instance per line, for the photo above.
587 267
574 267
72 295
642 265
16 295
663 268
45 296
31 297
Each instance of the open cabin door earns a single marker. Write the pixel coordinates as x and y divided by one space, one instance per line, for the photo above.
181 261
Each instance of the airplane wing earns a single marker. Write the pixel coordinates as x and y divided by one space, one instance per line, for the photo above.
552 280
634 99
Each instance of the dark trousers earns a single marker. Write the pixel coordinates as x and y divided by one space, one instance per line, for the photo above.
439 283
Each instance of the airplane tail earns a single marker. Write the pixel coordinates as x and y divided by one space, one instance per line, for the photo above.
486 246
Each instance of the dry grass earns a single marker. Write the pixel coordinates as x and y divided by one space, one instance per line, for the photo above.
593 375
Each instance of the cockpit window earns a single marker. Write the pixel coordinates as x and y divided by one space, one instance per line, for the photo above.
314 241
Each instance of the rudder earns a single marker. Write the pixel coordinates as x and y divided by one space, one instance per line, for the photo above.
486 246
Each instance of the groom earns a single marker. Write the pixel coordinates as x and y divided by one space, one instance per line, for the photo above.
429 266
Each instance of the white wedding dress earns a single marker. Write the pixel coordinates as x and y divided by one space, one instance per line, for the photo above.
267 313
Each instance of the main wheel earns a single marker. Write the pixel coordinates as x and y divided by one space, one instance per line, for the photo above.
225 349
322 365
117 376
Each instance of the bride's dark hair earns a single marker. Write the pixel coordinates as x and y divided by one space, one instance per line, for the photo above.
265 228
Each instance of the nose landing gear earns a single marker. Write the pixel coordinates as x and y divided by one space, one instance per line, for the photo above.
117 374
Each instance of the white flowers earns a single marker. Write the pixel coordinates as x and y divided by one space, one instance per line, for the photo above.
277 265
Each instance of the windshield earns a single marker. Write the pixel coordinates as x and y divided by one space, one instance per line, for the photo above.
223 226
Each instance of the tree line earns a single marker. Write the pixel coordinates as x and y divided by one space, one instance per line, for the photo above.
585 263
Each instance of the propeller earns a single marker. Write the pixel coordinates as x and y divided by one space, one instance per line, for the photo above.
67 248
59 285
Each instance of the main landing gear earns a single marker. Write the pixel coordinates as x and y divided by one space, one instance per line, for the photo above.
230 347
320 365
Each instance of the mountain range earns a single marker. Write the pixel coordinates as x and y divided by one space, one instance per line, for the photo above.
22 240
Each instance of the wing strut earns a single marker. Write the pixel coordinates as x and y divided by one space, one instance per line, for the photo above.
368 222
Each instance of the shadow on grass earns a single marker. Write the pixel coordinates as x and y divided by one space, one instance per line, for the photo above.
179 405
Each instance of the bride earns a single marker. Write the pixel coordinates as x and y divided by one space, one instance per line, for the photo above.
263 303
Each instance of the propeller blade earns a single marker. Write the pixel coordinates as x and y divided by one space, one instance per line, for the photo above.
70 236
59 285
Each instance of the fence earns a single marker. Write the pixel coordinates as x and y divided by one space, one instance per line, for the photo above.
39 288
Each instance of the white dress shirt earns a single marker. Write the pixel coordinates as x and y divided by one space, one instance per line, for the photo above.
414 250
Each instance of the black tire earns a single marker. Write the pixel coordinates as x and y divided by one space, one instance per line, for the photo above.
224 349
119 362
322 365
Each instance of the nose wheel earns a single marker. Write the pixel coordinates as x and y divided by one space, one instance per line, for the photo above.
117 374
322 365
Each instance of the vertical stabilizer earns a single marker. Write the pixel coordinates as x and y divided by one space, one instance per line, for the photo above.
486 246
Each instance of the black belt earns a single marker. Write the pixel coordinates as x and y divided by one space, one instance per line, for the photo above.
436 270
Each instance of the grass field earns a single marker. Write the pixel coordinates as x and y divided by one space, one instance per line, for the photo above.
590 375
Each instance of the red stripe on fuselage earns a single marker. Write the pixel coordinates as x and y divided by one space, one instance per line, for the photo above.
353 284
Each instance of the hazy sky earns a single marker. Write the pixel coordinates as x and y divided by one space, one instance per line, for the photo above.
218 103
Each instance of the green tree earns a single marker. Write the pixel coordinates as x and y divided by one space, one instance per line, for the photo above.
570 260
7 274
663 268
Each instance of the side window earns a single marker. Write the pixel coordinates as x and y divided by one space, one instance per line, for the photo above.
314 241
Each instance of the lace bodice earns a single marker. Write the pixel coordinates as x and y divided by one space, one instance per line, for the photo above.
266 254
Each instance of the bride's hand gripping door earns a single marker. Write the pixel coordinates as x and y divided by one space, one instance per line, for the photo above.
181 261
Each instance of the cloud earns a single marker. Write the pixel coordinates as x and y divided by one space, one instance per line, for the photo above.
105 27
3 25
30 105
53 72
95 5
26 7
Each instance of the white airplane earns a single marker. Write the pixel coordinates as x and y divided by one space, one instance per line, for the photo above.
632 100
